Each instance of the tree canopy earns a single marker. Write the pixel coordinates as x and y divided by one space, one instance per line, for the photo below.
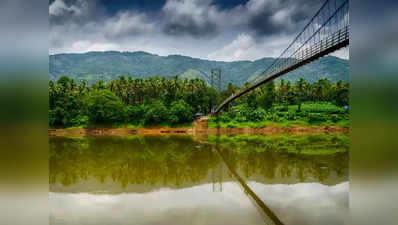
155 100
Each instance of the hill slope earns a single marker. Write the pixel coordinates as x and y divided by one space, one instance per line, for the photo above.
92 66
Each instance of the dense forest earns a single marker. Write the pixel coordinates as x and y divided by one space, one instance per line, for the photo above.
94 66
175 101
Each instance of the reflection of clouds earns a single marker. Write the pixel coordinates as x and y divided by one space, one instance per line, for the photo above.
306 203
196 205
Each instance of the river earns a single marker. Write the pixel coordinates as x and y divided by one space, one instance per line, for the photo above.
182 180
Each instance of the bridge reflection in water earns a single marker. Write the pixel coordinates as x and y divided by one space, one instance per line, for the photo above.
268 215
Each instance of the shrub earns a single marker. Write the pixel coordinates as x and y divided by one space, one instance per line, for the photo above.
290 116
325 107
242 111
173 119
257 115
302 114
341 97
280 119
241 119
65 109
281 114
180 112
231 125
316 117
335 118
224 118
272 117
52 117
157 113
103 106
136 113
284 108
80 120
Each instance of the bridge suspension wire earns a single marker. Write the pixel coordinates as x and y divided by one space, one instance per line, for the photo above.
326 32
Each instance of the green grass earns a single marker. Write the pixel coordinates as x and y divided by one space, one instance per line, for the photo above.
261 124
133 126
311 115
76 127
326 107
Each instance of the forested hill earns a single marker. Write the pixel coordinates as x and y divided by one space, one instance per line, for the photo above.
93 66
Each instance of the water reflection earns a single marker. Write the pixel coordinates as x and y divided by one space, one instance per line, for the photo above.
287 159
194 205
151 161
181 180
180 162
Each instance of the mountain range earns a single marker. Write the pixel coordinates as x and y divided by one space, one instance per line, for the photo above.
93 66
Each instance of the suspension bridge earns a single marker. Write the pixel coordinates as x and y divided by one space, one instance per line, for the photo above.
326 32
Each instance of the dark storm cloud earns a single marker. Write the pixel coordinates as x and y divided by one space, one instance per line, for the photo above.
200 18
185 25
281 16
218 29
196 18
88 20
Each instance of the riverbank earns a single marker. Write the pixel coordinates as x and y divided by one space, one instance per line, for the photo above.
198 129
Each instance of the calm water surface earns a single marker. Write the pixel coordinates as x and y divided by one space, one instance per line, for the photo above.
182 180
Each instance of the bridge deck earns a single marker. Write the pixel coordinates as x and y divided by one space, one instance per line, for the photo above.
324 47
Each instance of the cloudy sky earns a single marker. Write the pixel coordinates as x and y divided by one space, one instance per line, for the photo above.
225 30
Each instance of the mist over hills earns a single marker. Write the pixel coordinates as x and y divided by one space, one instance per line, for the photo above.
93 66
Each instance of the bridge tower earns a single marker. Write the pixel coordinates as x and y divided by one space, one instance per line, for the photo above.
215 78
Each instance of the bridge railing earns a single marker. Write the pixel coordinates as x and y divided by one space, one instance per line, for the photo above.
329 19
330 41
327 31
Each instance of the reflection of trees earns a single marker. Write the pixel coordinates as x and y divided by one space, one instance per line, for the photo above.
177 160
257 154
129 160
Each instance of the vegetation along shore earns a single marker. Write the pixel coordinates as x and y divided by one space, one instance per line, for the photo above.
174 104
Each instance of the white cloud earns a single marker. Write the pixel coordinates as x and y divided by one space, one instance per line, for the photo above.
58 7
193 17
343 53
87 46
245 47
301 203
193 8
239 49
126 24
